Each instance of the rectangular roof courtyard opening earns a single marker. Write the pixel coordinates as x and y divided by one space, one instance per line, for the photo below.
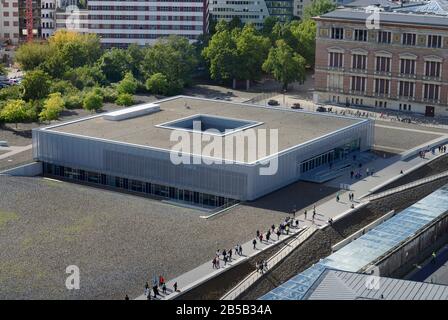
208 124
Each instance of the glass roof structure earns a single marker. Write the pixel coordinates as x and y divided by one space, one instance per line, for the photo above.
369 247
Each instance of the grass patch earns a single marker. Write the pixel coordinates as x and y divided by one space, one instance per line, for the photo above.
6 217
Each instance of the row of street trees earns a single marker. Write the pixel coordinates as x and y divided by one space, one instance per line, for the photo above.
283 50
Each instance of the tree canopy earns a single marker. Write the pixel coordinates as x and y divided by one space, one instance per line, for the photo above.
284 64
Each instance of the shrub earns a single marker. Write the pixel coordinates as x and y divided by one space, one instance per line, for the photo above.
125 99
109 94
63 87
52 108
157 84
128 84
73 101
92 101
15 111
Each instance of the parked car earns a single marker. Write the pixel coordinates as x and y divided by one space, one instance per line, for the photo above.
321 109
296 106
273 102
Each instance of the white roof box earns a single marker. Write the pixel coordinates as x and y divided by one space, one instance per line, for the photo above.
132 112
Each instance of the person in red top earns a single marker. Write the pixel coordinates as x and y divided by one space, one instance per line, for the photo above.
161 281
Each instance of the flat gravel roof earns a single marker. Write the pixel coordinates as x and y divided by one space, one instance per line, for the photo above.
294 127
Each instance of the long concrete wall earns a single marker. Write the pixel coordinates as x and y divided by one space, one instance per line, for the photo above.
27 170
400 261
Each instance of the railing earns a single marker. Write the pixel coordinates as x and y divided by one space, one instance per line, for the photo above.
261 97
407 186
292 244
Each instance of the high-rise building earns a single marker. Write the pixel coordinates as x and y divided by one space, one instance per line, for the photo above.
9 21
48 18
251 11
36 8
395 60
121 23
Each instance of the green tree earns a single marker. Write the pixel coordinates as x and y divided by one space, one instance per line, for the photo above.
125 99
174 57
135 56
36 85
53 107
284 64
11 93
77 49
92 101
14 111
85 76
268 25
114 64
317 8
31 55
252 50
305 32
128 84
221 55
235 23
157 84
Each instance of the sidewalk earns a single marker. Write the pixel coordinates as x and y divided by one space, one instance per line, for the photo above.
330 209
205 271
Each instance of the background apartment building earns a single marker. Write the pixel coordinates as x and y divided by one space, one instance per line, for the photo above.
120 23
251 11
9 21
48 18
401 66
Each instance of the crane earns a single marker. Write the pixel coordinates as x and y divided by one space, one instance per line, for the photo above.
29 20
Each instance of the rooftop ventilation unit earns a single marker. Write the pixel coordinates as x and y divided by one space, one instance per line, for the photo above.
132 112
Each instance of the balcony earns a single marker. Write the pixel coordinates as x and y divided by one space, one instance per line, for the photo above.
339 69
407 75
432 78
405 98
357 92
383 73
355 70
381 95
431 100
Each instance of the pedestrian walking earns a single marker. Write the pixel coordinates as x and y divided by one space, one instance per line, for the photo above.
241 250
352 173
265 265
146 289
164 288
278 234
287 230
273 228
337 197
237 249
224 254
305 213
126 297
155 290
268 235
230 254
367 172
225 260
433 257
258 233
261 238
255 244
214 263
175 286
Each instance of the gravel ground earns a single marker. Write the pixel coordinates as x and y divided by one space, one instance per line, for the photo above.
118 241
400 139
16 160
319 245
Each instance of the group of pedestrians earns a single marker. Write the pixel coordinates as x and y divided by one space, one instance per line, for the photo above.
227 256
157 284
